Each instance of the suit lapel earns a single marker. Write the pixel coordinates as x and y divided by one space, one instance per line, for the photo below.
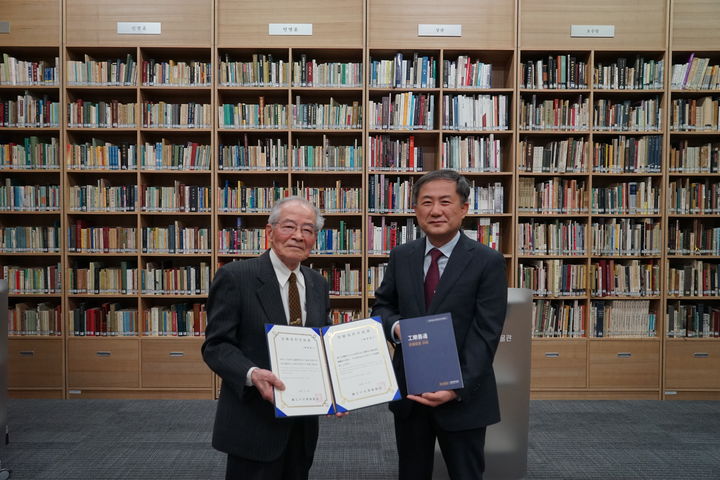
459 260
417 276
269 291
313 301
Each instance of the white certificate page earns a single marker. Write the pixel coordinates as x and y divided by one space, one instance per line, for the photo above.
359 364
298 359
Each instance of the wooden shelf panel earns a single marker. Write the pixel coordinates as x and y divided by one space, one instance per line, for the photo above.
486 24
27 27
335 23
183 22
545 24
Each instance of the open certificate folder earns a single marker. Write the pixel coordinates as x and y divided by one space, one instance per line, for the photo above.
331 369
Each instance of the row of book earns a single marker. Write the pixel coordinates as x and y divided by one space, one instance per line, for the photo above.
161 114
625 278
29 198
85 238
420 71
34 319
554 72
39 72
33 280
343 280
554 114
262 70
695 74
472 153
558 319
696 238
338 241
693 196
111 72
695 114
476 112
553 277
465 72
554 195
624 74
311 73
176 198
30 111
178 319
688 158
622 318
557 156
175 73
332 115
628 155
697 320
239 197
398 154
614 237
108 319
33 153
101 114
402 111
696 278
176 238
30 239
126 279
643 115
375 275
631 198
559 237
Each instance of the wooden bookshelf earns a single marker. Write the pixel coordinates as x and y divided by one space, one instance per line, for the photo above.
228 155
691 352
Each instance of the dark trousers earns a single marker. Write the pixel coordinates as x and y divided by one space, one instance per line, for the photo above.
463 451
293 464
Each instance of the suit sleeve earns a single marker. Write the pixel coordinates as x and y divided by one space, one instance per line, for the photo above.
386 298
221 350
483 335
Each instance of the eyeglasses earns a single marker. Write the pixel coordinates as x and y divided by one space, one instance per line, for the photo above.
288 228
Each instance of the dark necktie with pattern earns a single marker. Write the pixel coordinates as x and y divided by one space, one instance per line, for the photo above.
294 302
432 278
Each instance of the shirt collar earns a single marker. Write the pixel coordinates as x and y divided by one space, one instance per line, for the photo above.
282 272
445 249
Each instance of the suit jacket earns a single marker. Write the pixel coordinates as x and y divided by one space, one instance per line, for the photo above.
473 288
244 296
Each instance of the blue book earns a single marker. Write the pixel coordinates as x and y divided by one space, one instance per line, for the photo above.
430 354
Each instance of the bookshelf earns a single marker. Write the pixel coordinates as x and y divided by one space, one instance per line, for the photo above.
692 353
463 90
31 253
138 200
598 320
146 181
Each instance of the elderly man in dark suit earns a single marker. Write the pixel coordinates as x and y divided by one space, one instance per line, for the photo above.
446 272
272 288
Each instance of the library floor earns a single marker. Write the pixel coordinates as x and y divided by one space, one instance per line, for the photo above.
158 440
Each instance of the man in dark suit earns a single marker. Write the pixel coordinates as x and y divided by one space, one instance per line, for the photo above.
244 296
446 272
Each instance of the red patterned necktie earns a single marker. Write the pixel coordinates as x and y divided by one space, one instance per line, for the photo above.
294 302
432 278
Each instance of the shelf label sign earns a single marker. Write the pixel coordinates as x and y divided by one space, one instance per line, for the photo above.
290 28
595 31
439 30
139 28
4 27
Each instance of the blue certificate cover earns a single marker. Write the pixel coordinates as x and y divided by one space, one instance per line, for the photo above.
430 354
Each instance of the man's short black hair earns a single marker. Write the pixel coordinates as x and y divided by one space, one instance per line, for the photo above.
462 187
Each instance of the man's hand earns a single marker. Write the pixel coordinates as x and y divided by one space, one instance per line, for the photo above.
434 399
397 331
264 381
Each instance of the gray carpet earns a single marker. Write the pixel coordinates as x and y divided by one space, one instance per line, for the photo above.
170 439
